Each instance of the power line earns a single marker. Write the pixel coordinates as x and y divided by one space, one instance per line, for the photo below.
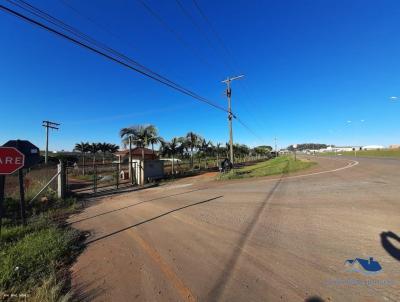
116 60
202 32
248 128
218 37
193 21
91 20
228 53
174 32
76 32
120 57
189 16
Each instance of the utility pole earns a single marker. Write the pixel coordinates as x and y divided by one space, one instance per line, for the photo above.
276 149
230 115
47 125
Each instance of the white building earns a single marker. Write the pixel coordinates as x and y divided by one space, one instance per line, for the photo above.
340 148
373 147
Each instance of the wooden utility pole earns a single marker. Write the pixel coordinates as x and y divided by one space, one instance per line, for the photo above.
230 115
47 125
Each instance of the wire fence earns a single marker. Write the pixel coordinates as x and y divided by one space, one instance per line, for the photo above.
99 176
182 167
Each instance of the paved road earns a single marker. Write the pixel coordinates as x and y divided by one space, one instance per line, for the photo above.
270 239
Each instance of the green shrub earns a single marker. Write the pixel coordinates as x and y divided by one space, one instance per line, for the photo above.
34 257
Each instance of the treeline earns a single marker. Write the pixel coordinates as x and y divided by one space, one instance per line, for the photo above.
188 146
94 149
308 146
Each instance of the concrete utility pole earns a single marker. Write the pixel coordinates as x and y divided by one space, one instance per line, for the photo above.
276 149
47 125
228 94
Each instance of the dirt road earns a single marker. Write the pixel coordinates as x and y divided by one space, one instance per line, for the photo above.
269 239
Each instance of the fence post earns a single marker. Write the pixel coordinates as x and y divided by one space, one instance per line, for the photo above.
117 178
94 178
61 181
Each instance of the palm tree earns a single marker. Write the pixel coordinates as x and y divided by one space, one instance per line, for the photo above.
204 148
218 146
192 142
83 148
172 148
94 148
112 148
154 138
139 135
103 147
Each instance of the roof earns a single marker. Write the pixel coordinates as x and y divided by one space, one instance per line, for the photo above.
135 151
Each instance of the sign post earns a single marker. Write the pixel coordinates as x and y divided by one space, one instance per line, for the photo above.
11 160
2 183
16 155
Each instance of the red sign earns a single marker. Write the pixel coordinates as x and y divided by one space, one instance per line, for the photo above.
11 160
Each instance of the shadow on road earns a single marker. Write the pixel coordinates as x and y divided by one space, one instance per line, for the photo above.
314 299
223 279
388 246
132 205
151 219
89 291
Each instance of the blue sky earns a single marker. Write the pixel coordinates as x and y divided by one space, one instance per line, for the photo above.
315 71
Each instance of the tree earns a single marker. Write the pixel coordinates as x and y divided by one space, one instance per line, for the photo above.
172 148
308 146
154 138
217 150
83 148
103 147
140 135
206 148
106 147
94 148
112 148
262 150
192 142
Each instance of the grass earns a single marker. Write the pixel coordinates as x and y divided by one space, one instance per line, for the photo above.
279 165
395 153
34 258
86 177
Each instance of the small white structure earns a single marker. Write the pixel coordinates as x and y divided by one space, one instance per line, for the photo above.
373 147
147 170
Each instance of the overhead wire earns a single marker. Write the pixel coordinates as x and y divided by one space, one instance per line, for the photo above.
178 37
227 62
146 72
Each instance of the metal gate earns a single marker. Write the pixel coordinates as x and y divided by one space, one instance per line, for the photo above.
98 177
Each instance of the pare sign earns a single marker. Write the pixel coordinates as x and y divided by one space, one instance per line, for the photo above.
11 160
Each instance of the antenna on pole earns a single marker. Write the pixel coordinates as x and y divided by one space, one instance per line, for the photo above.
47 125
